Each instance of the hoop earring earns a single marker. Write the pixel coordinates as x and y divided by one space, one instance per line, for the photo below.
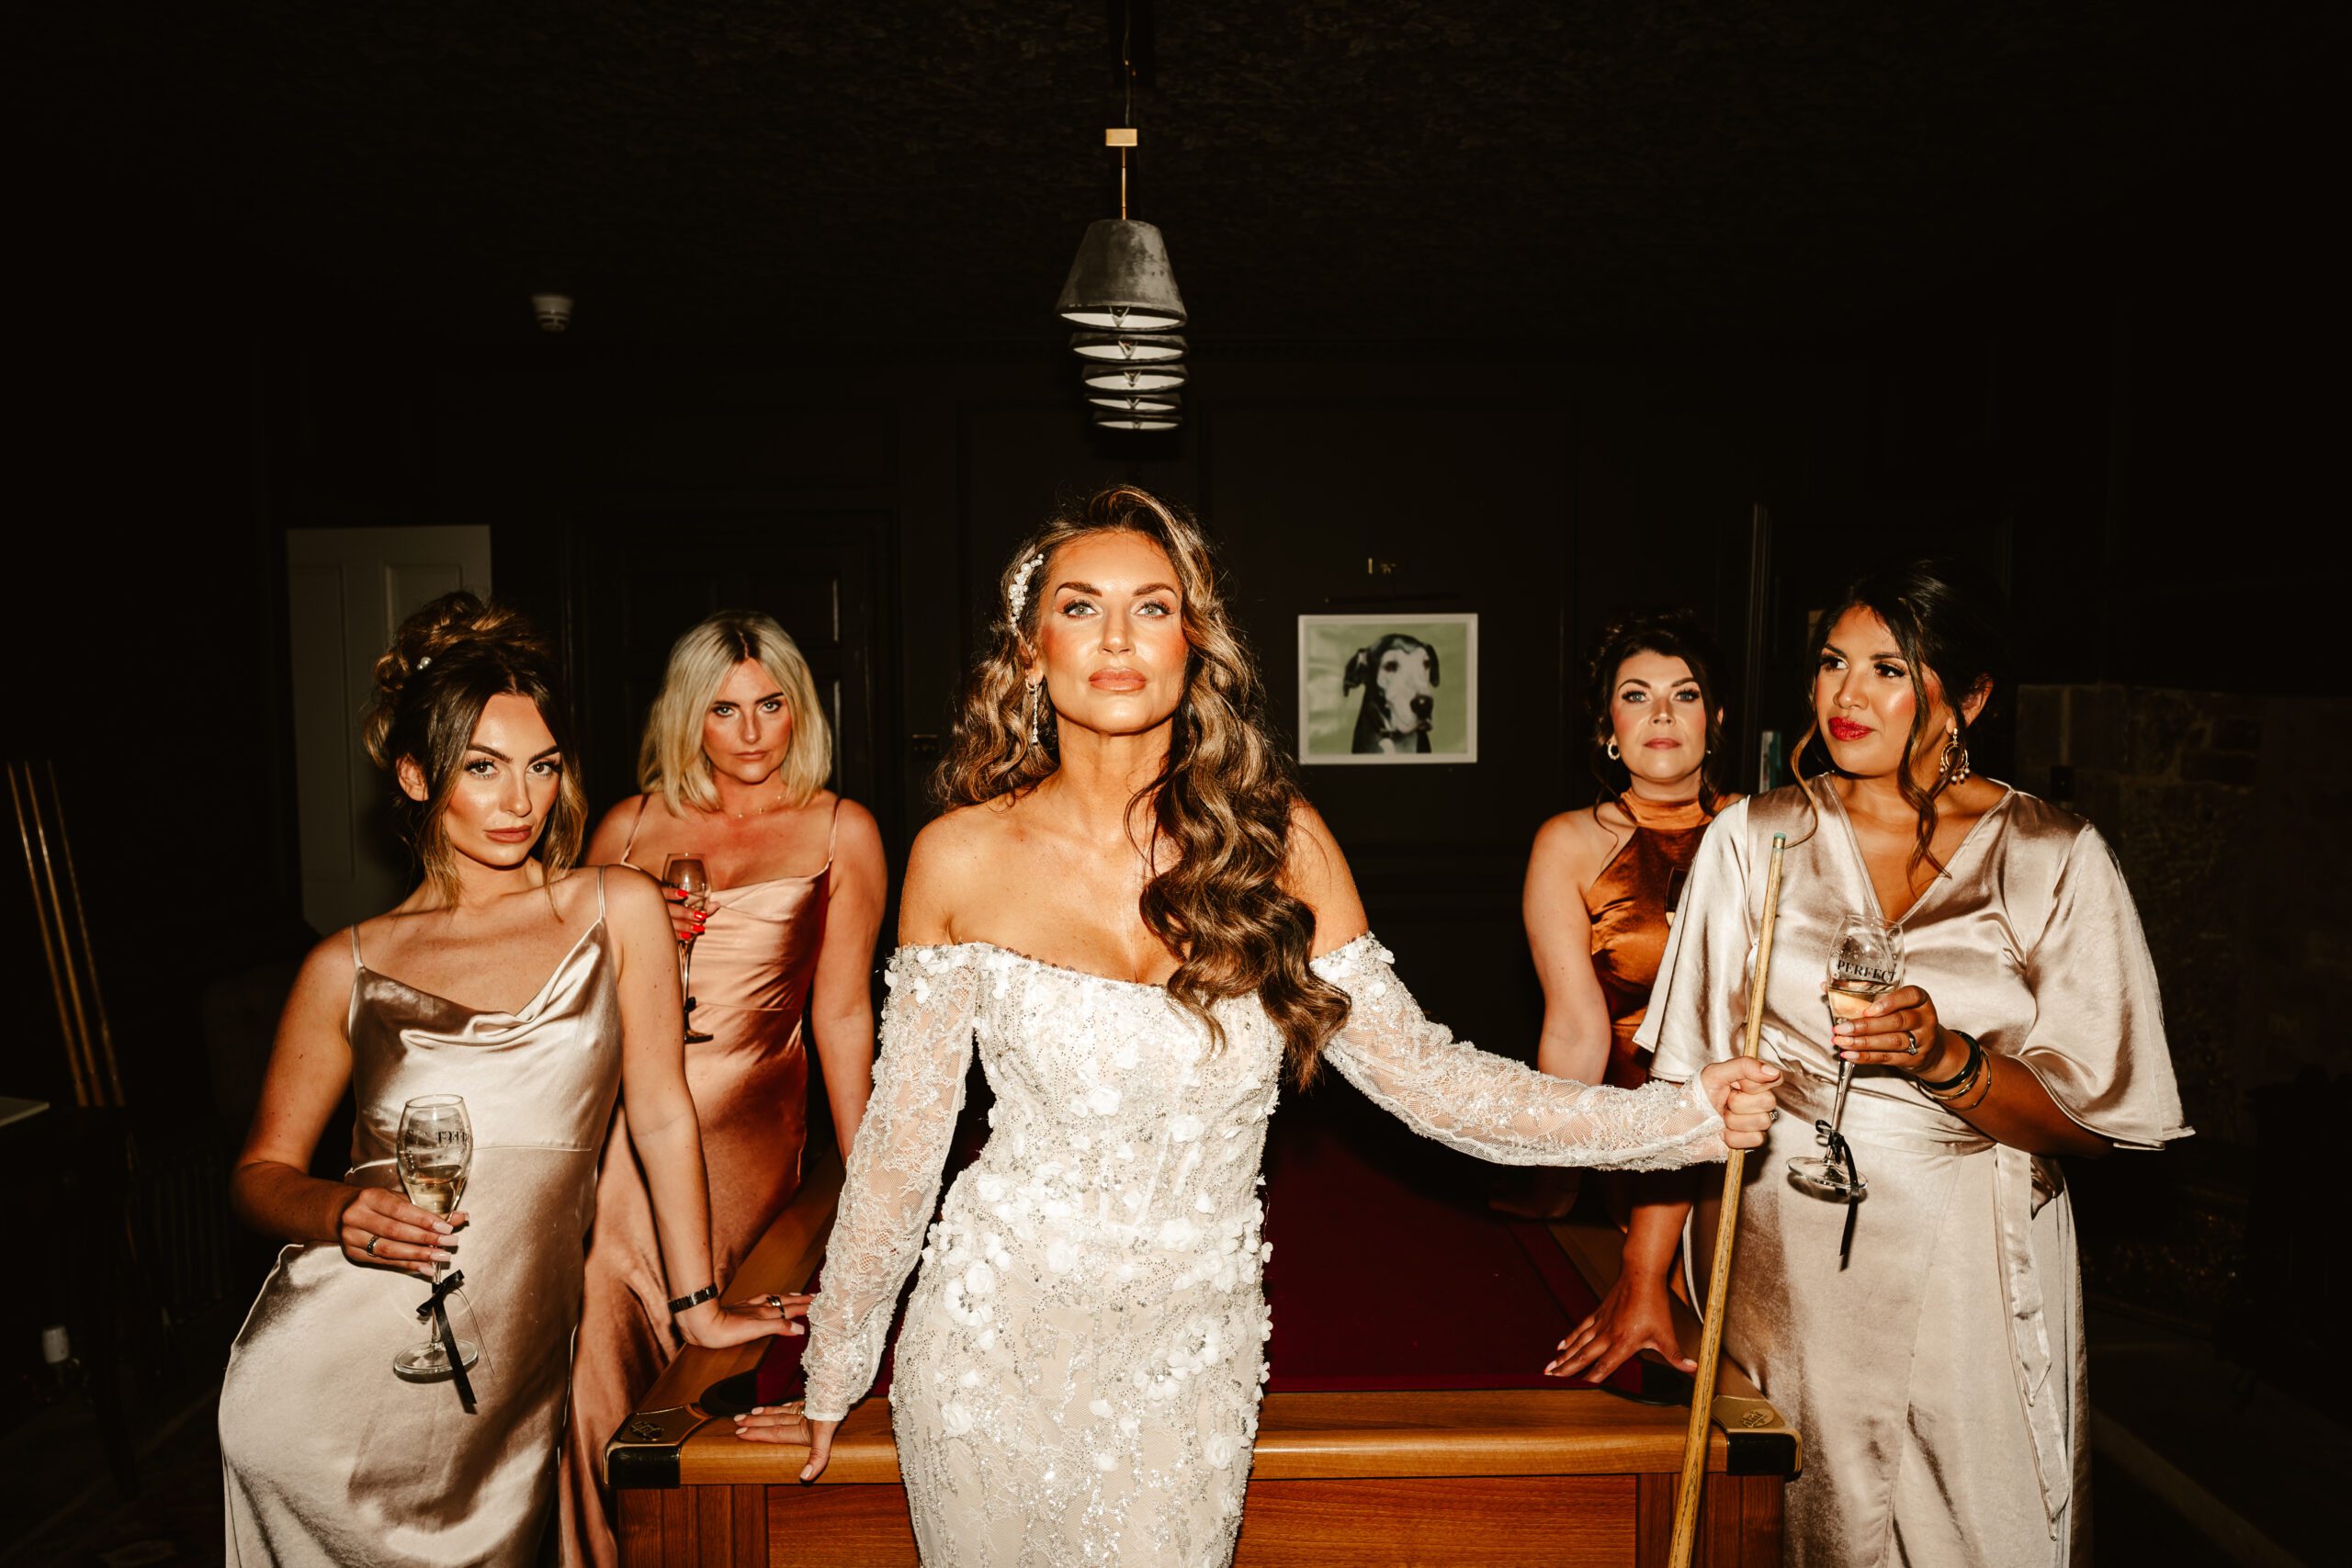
1612 749
1955 757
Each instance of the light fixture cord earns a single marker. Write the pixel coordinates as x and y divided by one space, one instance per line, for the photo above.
1127 85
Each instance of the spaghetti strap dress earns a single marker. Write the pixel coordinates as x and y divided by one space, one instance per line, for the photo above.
327 1456
752 968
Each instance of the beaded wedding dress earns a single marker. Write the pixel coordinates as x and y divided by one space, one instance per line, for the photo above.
1077 1380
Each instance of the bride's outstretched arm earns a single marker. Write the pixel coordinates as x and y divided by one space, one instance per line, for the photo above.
1486 1105
892 1185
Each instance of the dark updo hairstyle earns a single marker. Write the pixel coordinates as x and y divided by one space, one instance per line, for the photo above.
1676 634
445 663
1952 626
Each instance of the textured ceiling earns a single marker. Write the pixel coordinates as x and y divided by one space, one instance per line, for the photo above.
1384 168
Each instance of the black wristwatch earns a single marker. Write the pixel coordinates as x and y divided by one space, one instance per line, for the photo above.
683 1303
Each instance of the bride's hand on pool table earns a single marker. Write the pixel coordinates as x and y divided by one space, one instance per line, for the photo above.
785 1424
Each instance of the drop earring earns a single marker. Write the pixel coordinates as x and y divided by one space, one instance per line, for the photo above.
1036 736
1955 757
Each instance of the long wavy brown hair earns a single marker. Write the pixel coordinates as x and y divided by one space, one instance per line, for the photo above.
1223 799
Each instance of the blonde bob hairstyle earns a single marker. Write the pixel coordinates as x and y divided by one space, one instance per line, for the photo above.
671 761
1222 800
445 663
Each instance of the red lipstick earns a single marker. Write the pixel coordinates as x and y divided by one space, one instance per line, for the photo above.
1847 729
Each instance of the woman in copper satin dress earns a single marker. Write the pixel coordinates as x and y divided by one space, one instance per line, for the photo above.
1936 1369
733 767
328 1457
1601 879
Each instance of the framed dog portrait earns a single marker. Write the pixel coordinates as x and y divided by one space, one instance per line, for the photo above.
1388 689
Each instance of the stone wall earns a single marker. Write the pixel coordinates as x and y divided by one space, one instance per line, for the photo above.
2230 815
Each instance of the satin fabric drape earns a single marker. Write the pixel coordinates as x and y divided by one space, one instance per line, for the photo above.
327 1457
1937 1377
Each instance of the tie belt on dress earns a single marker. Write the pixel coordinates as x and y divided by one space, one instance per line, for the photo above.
1883 1121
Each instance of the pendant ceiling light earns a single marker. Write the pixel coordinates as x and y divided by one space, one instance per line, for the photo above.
1126 376
1145 403
1121 293
1105 420
1120 280
1133 348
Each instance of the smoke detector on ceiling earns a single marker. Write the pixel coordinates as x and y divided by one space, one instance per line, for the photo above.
553 310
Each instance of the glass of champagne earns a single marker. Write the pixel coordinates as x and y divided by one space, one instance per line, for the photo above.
686 873
1865 962
434 1150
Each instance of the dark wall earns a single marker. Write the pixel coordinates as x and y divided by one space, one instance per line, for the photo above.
2117 448
1542 497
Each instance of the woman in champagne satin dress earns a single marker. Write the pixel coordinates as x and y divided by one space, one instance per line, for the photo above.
1936 1369
733 767
571 997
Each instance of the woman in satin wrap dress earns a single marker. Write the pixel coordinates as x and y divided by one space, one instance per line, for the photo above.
328 1457
1936 1375
784 954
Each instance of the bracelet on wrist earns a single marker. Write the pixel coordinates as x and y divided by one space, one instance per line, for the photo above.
1983 1088
686 1303
1940 1087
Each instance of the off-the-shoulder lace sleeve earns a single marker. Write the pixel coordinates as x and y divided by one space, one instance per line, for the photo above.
1488 1106
892 1184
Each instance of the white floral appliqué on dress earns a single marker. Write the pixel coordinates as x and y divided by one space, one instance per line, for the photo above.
1077 1379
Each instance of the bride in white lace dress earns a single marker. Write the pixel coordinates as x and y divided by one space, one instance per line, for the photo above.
1077 1380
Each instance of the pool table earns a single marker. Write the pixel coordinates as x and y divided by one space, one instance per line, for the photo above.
1422 1437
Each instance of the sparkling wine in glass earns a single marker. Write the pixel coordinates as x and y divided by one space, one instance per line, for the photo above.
435 1151
686 873
1865 962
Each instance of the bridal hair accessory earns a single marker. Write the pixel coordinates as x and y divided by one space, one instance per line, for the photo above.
1018 594
425 662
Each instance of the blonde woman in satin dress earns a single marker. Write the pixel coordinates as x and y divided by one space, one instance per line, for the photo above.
1937 1377
1140 923
733 767
538 992
1601 880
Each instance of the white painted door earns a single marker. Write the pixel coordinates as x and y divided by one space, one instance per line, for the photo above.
346 590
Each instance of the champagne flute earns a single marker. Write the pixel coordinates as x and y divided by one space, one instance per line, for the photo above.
435 1152
1865 962
686 873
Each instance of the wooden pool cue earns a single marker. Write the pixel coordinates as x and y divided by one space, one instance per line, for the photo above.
1710 1334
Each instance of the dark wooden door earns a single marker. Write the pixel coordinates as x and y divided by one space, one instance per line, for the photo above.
642 580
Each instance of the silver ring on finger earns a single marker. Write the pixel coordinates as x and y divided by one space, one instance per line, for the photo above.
1910 1043
774 1300
371 1248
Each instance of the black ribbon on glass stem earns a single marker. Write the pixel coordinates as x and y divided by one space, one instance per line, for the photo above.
436 1310
1841 1156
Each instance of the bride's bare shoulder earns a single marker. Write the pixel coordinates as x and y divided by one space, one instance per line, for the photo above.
953 861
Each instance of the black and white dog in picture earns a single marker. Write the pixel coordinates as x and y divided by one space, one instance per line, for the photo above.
1399 678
